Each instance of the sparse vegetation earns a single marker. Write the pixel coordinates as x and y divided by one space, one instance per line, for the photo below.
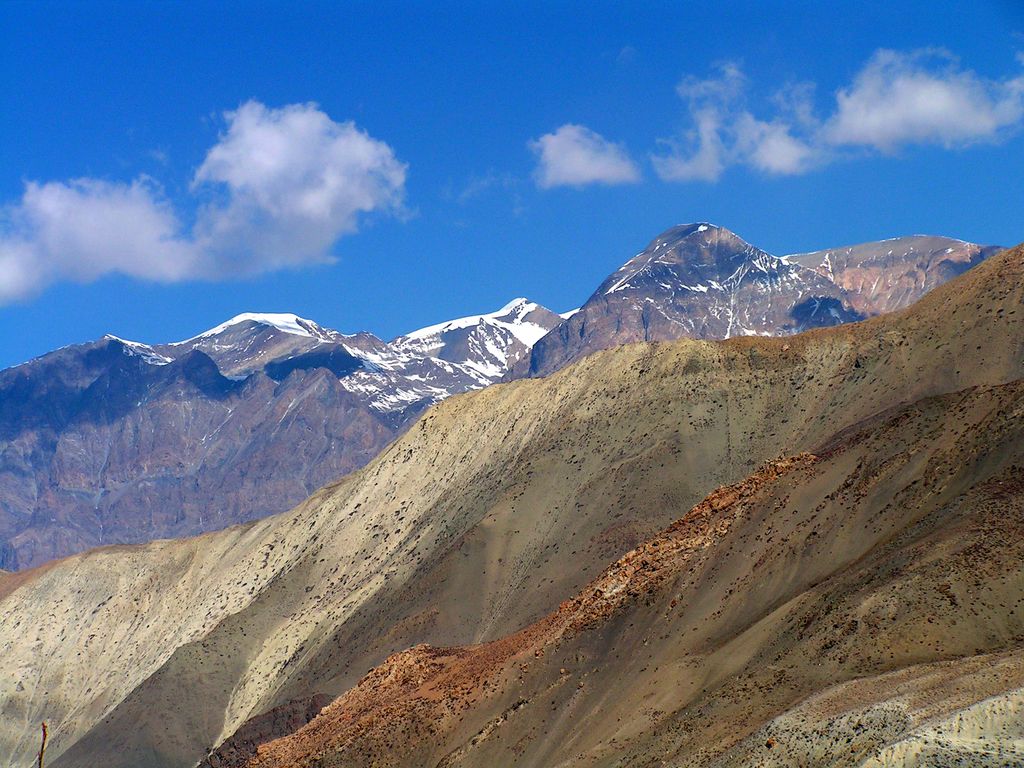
809 581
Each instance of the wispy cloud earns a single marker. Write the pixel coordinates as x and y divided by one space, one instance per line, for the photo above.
280 187
479 185
575 156
897 99
724 132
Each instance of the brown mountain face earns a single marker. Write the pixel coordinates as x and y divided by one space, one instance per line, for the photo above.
876 570
116 442
701 281
881 576
891 274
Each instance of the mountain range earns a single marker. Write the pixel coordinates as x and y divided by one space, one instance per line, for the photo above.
760 551
117 442
121 442
701 281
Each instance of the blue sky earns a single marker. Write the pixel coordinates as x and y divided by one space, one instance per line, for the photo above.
384 166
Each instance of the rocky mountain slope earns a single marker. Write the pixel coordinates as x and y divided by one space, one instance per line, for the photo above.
891 274
702 281
701 646
885 550
121 442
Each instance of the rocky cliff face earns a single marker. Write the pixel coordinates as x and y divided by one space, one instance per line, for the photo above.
102 445
701 281
117 442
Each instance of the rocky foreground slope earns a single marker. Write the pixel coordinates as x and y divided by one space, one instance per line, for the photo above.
887 544
881 577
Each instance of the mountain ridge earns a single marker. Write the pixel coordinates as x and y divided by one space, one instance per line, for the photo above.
478 521
66 485
115 441
703 281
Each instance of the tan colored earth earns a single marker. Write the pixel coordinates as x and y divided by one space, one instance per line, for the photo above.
852 591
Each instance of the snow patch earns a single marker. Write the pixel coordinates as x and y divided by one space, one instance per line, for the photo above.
519 308
138 349
282 321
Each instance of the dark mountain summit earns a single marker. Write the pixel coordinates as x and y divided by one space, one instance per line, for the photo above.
702 281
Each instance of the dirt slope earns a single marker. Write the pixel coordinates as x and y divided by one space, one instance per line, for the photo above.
885 573
478 521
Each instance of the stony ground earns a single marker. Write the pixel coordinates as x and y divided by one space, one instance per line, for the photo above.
500 506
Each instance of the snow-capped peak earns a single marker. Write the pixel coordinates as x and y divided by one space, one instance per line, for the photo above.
443 359
510 316
697 227
285 322
693 228
519 308
139 349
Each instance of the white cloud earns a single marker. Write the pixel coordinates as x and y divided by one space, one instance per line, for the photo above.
83 229
726 133
717 92
922 98
296 181
772 147
575 156
897 99
285 184
706 156
702 154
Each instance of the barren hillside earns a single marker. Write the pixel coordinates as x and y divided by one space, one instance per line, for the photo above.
880 577
500 504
